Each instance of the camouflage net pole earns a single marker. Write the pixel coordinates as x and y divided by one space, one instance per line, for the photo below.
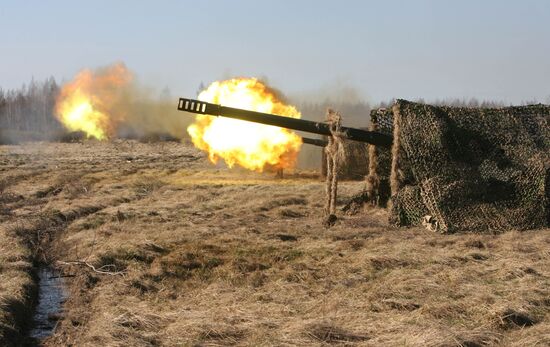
335 156
378 165
373 179
396 173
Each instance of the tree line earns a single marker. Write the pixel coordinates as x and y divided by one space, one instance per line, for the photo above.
29 109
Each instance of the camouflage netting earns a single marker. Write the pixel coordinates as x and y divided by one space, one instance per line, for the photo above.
356 161
378 179
468 169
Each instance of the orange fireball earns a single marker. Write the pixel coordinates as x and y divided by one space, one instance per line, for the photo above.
88 103
251 145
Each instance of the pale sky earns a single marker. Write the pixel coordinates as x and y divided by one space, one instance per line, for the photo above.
493 49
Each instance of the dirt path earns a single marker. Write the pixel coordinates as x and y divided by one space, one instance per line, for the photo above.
218 257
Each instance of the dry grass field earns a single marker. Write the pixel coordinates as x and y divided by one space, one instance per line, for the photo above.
197 254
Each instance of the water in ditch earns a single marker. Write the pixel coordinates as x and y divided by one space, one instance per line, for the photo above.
51 296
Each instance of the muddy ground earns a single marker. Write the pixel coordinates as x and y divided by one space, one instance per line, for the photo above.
188 253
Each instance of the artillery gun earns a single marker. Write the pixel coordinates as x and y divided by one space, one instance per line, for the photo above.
449 168
354 134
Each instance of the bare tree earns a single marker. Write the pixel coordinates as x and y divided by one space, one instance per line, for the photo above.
28 112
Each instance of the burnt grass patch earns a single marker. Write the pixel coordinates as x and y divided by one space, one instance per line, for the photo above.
332 334
513 319
281 202
290 213
184 265
286 237
475 244
239 265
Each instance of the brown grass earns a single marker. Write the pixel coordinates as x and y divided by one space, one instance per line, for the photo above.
218 257
17 288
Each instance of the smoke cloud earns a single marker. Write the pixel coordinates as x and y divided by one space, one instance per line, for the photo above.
109 102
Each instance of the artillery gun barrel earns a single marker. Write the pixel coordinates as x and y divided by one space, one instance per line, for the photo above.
201 107
315 142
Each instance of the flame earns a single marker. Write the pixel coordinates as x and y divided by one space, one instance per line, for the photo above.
250 145
88 103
